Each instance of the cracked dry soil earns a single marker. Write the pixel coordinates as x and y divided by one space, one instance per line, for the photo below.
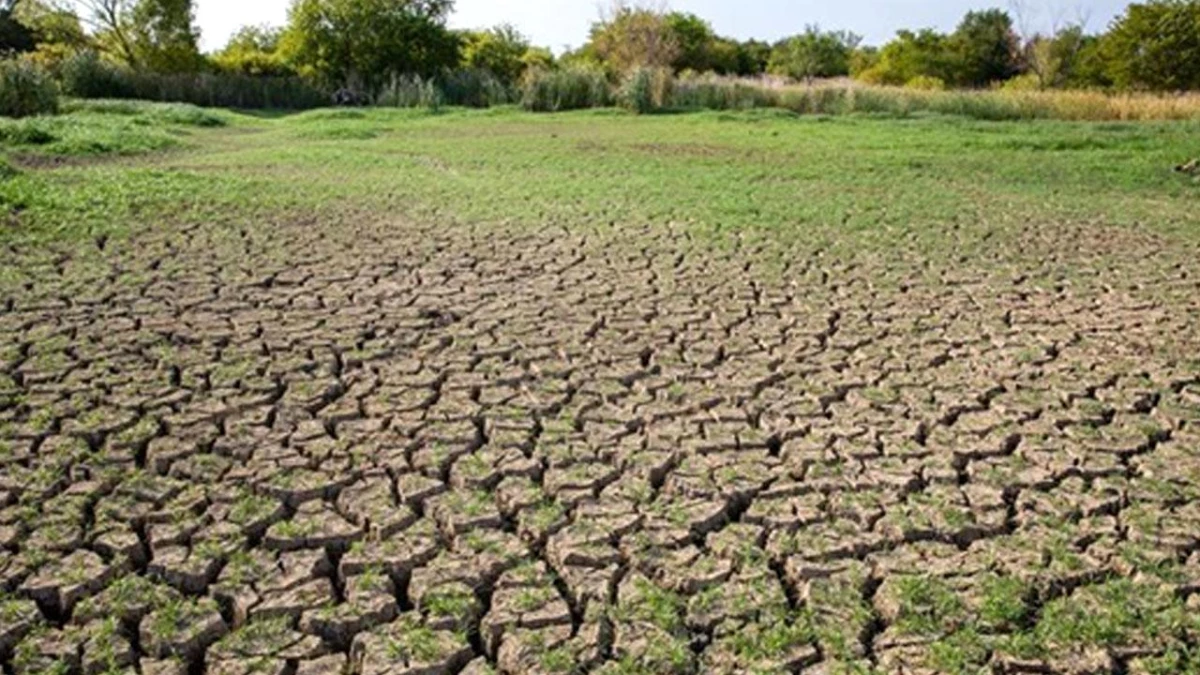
381 448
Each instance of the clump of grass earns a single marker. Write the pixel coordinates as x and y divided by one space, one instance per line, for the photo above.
26 89
1116 613
76 136
329 114
773 639
411 91
7 394
27 132
569 88
95 128
817 100
646 90
182 114
928 607
473 88
712 92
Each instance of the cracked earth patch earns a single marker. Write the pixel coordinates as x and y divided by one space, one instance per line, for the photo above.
430 450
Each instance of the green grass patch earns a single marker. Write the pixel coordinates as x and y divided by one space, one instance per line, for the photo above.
182 114
98 128
861 182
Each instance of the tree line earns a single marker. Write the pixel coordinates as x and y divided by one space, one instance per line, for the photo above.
363 44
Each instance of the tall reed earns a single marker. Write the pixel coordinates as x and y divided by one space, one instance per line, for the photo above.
567 88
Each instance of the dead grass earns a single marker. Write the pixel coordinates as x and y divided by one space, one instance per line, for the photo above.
846 96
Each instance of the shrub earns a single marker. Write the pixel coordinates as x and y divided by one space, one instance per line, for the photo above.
567 88
86 75
26 89
926 83
646 90
1026 82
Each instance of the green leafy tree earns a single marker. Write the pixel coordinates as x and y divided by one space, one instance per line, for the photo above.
157 35
984 49
538 58
695 41
15 35
164 35
753 57
51 24
1155 46
814 53
501 50
629 37
253 50
57 32
1068 58
366 42
585 56
724 56
1087 68
110 24
924 54
863 59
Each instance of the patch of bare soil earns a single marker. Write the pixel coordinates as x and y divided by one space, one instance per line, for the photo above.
369 447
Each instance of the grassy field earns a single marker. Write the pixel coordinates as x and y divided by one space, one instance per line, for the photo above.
361 391
752 172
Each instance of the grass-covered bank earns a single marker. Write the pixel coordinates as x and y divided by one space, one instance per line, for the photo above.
761 170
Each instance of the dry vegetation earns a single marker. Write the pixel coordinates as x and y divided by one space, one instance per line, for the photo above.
845 96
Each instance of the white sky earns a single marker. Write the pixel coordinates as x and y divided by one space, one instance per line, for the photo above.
561 23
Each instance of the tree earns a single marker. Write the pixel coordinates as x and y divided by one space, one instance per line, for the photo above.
1155 46
629 37
753 57
159 35
164 35
695 41
365 42
501 50
984 49
50 24
1088 68
537 58
724 56
1051 59
924 54
253 50
110 23
57 33
814 53
863 59
1061 58
15 35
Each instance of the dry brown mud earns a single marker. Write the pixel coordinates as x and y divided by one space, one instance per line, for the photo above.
377 448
